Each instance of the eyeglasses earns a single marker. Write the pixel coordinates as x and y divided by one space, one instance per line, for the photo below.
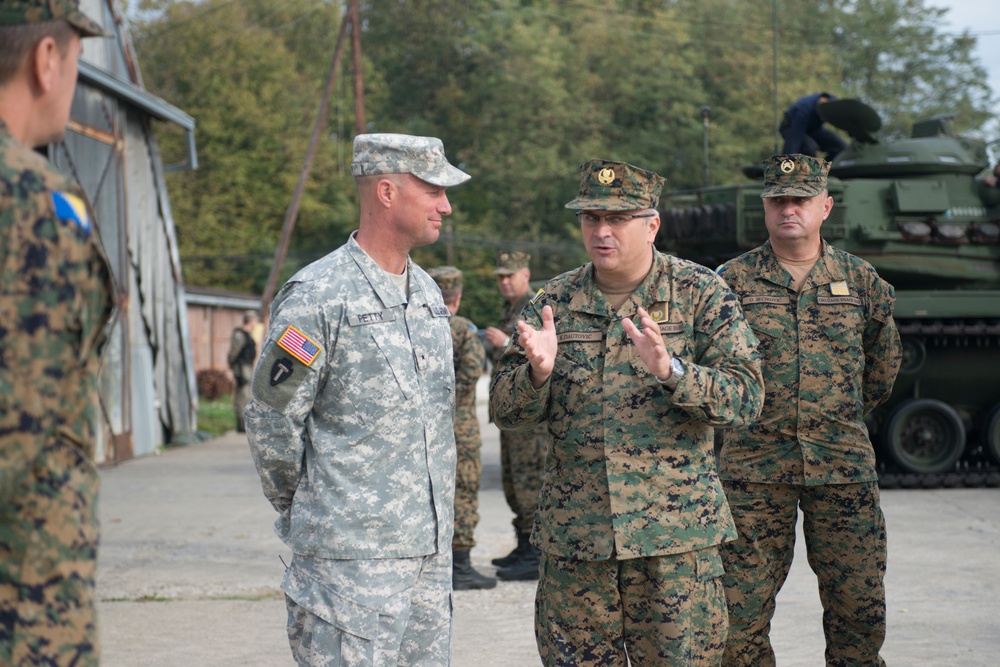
613 219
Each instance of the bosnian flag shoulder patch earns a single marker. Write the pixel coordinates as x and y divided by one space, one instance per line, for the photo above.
300 346
70 208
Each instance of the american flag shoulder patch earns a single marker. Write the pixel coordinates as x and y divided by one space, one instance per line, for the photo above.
300 346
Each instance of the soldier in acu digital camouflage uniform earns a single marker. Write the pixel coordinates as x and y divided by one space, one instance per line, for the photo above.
56 297
522 453
830 352
632 511
351 427
470 361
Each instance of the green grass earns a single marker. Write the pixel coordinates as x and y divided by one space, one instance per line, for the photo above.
216 416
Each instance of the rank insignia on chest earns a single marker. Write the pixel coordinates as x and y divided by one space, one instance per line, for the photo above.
300 346
839 288
659 311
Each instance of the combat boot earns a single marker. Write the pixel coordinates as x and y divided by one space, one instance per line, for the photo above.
515 555
464 577
523 569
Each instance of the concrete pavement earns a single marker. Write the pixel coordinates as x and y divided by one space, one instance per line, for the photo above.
189 568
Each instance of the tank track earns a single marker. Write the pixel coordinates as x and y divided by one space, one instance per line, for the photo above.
976 467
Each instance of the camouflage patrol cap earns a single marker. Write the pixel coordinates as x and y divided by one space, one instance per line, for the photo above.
794 175
22 12
448 278
509 262
616 186
377 154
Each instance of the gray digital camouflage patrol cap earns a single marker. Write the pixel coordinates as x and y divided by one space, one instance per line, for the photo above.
794 175
616 186
22 12
376 154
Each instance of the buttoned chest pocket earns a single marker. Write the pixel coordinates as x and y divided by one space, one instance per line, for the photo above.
842 323
576 375
368 374
769 322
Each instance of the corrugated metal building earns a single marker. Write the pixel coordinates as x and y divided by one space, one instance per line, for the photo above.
148 392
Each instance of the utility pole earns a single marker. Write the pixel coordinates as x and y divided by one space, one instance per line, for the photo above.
350 21
705 111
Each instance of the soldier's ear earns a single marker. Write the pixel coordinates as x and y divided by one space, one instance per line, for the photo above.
44 65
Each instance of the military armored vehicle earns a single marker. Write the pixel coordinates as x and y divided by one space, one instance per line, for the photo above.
918 211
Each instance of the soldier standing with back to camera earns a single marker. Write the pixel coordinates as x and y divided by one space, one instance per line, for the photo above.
470 361
830 353
522 453
241 357
632 511
56 297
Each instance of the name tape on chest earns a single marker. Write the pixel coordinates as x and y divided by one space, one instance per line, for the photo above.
378 317
760 298
580 337
830 300
440 311
300 346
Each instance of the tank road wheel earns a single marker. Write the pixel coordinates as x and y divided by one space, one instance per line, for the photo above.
925 436
991 434
914 355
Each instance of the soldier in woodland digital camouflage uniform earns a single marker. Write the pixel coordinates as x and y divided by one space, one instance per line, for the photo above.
242 354
351 424
56 297
830 352
522 453
632 511
470 361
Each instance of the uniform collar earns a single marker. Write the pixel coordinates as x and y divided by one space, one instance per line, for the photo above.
387 291
826 270
653 289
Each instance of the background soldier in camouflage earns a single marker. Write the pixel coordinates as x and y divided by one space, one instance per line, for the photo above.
632 511
522 453
351 426
470 361
56 297
242 354
830 353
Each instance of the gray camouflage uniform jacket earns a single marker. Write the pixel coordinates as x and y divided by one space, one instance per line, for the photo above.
632 470
351 431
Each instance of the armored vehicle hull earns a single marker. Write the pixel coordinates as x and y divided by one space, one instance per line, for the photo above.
917 212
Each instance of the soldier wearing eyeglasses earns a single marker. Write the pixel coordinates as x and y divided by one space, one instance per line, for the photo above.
632 360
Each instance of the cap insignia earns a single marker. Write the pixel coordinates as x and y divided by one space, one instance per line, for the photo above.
787 166
606 176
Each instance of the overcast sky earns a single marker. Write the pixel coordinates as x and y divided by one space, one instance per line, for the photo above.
982 19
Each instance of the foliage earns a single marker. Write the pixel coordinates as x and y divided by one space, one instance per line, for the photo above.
215 417
521 92
213 383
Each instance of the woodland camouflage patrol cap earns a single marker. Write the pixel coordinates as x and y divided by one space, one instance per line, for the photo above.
794 175
616 186
376 154
22 12
511 261
448 278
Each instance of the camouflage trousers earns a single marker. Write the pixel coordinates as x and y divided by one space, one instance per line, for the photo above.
661 610
846 546
522 471
48 552
468 472
241 398
377 612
